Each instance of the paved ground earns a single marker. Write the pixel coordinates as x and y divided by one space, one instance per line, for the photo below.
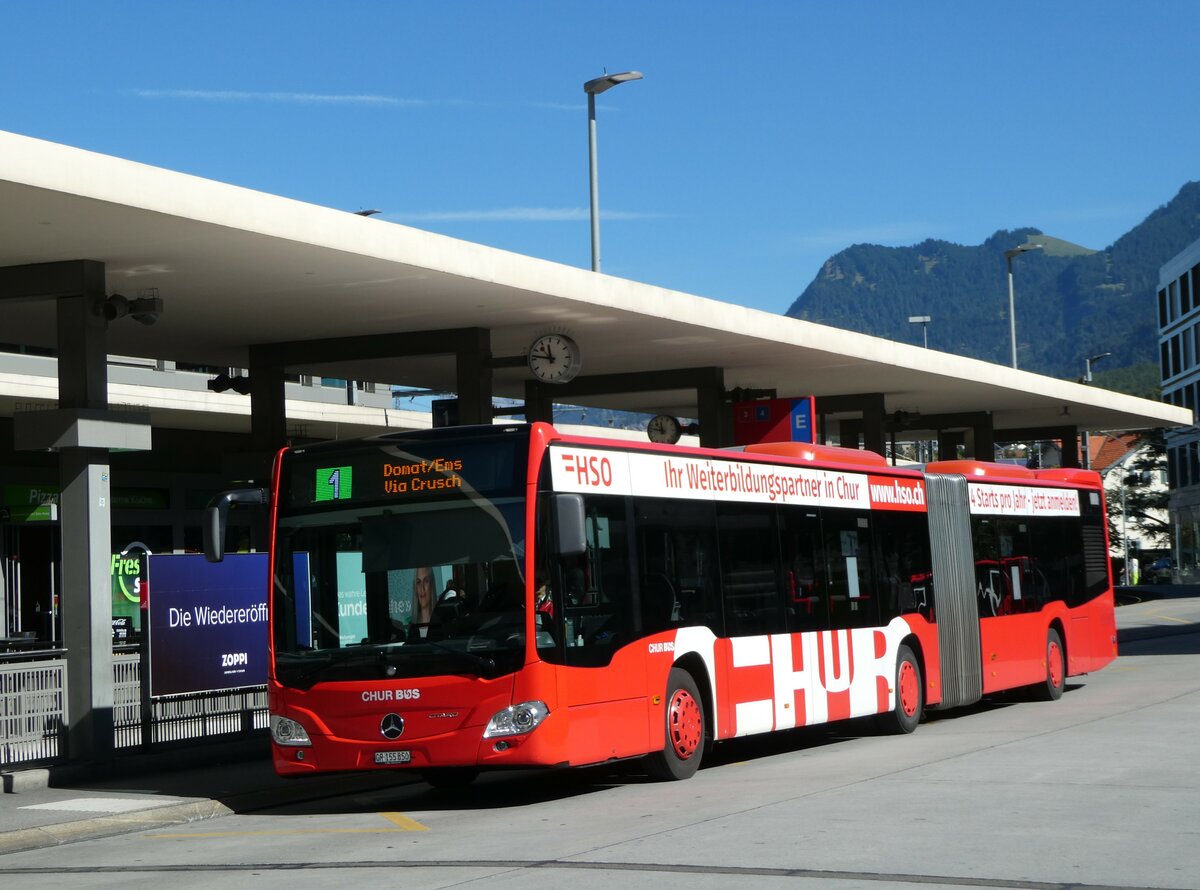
46 808
1100 789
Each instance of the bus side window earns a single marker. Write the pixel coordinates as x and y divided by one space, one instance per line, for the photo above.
804 582
677 564
592 591
852 597
903 564
750 569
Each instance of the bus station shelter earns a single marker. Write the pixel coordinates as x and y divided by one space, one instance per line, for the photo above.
101 256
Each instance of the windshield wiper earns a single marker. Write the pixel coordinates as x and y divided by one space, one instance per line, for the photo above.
302 671
480 661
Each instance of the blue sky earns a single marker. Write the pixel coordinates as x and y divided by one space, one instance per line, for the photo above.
765 137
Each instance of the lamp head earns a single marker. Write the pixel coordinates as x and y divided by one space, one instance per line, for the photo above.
144 310
608 81
1022 248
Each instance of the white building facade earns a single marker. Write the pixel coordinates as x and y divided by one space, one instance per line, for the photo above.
1179 355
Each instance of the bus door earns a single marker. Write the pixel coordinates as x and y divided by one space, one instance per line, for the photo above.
1010 623
587 628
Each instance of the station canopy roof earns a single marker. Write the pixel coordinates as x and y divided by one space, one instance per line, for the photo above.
236 267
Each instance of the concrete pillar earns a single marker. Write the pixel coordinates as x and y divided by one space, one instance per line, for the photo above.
268 421
86 527
1069 436
948 443
473 366
874 437
713 412
982 442
538 404
850 432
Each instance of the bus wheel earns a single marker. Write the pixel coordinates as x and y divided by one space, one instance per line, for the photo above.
1056 669
910 695
686 731
450 777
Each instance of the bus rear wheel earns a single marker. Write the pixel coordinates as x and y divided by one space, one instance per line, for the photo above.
1056 668
686 731
910 695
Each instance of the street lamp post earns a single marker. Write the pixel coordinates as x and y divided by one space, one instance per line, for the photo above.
593 88
1088 362
1012 317
1087 378
923 321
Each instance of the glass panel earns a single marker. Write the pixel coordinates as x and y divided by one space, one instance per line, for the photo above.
806 583
852 597
677 564
750 569
372 580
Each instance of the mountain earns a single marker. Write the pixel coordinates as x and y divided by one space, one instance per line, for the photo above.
1071 302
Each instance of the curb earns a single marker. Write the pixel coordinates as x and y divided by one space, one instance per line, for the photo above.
107 826
25 780
166 815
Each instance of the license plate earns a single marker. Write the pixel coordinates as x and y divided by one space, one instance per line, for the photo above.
393 756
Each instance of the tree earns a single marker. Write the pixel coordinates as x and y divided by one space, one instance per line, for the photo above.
1137 484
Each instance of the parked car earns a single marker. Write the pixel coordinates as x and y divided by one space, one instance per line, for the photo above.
1159 571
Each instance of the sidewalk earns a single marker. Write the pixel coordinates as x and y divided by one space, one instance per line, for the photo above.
60 805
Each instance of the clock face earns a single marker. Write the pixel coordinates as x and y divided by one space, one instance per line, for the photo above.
554 358
664 428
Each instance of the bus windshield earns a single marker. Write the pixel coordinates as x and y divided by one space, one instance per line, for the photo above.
402 556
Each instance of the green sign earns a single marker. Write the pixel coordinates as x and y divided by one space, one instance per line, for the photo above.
334 483
30 503
128 575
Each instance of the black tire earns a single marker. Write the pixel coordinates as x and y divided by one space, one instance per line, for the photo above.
909 706
687 731
447 778
1051 689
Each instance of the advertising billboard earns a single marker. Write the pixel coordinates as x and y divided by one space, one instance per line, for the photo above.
208 623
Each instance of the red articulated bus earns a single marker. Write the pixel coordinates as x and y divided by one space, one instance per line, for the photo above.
484 597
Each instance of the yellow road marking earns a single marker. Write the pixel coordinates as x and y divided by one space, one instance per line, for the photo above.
399 820
405 823
1169 618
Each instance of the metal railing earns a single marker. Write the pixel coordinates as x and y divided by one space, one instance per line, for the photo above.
33 710
177 718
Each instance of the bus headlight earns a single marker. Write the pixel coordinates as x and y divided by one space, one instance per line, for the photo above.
517 719
289 733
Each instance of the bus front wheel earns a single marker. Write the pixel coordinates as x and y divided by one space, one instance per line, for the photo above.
910 695
685 728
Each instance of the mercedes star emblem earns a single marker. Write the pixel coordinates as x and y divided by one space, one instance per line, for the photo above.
391 726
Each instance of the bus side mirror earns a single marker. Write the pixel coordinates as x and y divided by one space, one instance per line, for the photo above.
569 524
216 518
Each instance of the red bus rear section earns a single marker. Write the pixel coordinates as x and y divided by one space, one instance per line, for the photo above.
477 598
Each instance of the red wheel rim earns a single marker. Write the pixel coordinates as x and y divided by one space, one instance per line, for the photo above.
910 689
1054 654
685 724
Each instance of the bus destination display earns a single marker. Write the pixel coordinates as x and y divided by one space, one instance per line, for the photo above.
422 477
